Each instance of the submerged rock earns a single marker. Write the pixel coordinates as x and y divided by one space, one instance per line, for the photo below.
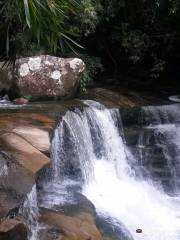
47 76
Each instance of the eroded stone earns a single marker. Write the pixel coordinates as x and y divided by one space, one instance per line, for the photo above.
37 137
26 155
12 229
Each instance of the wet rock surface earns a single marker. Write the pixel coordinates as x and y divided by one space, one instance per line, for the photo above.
110 230
124 98
13 229
80 227
20 160
25 154
37 137
25 135
15 183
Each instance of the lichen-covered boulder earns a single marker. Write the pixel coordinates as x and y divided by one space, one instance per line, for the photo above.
46 76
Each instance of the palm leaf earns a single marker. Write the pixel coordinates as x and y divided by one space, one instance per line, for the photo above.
27 13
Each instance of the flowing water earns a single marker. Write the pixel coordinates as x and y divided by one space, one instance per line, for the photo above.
90 155
31 212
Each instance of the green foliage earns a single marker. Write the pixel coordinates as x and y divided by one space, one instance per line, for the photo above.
43 26
28 97
89 16
135 33
93 67
135 43
140 32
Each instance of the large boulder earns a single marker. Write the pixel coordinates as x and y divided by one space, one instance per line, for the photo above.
46 76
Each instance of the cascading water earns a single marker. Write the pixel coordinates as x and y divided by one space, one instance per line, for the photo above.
89 147
162 136
31 212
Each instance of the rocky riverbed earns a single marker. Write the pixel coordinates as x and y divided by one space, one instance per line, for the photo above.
25 152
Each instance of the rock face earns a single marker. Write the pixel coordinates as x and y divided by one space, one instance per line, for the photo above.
23 140
26 155
37 137
12 188
72 228
13 229
47 76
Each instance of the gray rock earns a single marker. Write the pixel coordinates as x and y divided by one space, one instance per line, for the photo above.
46 76
12 189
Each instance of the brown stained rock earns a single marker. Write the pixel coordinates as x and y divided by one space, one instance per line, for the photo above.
114 99
21 101
26 155
20 161
12 229
37 137
9 121
15 183
8 202
73 228
47 76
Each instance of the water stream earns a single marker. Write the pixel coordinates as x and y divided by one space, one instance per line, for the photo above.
91 156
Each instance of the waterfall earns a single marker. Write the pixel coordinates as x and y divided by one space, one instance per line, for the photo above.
89 149
163 134
4 170
31 213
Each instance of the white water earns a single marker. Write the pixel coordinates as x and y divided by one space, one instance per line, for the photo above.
116 193
4 170
31 212
92 138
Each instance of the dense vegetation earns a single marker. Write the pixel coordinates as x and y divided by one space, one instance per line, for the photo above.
29 27
138 38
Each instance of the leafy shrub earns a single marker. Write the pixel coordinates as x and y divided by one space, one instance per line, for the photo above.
42 26
93 67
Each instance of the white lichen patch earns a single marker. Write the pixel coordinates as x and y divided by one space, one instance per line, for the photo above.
56 75
24 70
59 82
75 64
34 63
48 63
